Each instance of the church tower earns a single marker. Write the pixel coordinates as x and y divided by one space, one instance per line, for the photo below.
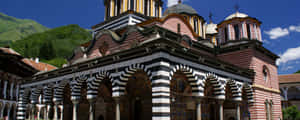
121 13
152 8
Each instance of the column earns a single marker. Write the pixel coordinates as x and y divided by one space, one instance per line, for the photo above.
221 110
92 109
5 88
161 108
1 111
199 113
45 112
61 112
8 113
48 107
32 111
238 111
39 112
11 91
56 111
75 108
117 99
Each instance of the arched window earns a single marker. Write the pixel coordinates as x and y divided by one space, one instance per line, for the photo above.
156 9
107 11
226 34
146 7
248 31
237 32
196 25
131 5
118 7
265 73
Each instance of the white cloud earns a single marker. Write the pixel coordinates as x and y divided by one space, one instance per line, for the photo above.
277 32
294 28
172 2
289 55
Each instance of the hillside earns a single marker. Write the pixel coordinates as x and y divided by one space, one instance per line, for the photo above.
54 45
12 29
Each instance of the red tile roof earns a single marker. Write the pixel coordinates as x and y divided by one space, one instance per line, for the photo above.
39 65
9 51
291 78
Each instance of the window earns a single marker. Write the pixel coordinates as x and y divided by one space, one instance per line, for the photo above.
178 28
146 7
156 9
226 34
248 31
237 32
118 4
196 25
265 73
131 5
107 12
269 109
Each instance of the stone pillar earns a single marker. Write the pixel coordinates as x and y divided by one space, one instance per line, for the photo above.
32 112
5 89
1 111
11 94
75 108
92 109
238 111
221 110
61 112
45 112
39 113
199 113
56 110
48 112
8 113
285 93
118 115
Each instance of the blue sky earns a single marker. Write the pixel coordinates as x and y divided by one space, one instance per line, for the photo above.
280 18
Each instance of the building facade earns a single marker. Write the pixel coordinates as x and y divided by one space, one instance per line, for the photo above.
145 64
290 87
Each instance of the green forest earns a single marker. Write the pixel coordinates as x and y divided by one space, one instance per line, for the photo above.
32 40
52 46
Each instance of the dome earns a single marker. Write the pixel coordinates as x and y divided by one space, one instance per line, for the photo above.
179 9
211 28
236 15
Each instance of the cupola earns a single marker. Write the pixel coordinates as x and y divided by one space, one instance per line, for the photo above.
191 16
239 26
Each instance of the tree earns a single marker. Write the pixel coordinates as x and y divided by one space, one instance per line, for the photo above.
47 51
298 71
291 113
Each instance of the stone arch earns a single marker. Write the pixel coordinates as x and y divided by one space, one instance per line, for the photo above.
234 89
36 95
197 88
136 92
93 84
48 93
217 86
128 72
76 86
248 93
59 90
